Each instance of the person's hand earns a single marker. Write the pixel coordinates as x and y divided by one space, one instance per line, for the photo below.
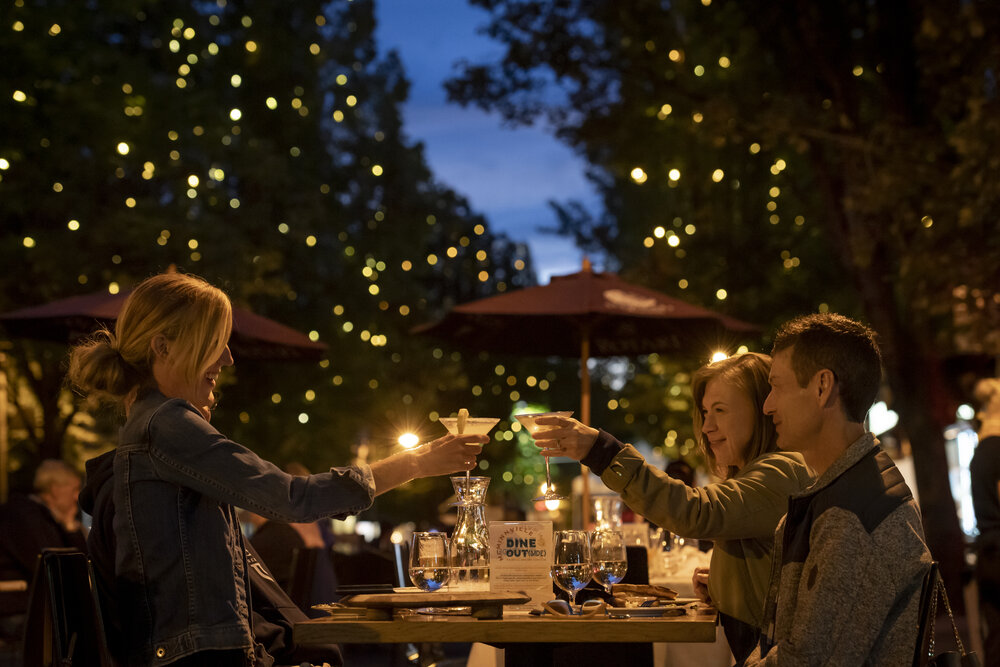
700 582
564 436
452 453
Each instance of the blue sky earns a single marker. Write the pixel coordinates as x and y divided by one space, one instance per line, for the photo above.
507 174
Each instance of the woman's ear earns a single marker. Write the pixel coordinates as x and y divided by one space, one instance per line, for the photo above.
159 346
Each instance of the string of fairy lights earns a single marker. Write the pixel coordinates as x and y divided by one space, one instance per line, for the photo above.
182 42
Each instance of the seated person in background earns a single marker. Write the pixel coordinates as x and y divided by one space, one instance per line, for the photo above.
278 543
851 554
985 472
275 542
739 513
49 517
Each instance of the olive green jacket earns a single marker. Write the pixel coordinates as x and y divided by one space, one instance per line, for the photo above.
739 514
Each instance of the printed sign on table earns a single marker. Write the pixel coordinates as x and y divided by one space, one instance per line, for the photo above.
521 559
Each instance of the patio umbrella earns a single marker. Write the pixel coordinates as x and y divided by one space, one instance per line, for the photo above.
67 320
587 314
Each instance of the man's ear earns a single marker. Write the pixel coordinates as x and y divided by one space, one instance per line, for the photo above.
160 346
826 387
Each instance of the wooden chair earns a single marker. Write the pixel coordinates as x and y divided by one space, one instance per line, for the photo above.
63 627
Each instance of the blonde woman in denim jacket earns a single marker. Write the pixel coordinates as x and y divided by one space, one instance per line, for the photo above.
180 579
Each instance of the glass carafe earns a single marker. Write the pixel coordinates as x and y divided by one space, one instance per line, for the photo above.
470 541
607 512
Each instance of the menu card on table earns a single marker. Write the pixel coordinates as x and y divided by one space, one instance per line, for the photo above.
521 559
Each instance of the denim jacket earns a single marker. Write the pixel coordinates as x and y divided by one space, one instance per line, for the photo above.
180 562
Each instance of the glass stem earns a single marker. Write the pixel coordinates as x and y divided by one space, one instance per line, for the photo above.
548 478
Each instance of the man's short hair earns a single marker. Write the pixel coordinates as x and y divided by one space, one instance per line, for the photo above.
837 343
51 472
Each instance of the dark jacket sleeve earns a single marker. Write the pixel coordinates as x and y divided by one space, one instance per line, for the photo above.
603 451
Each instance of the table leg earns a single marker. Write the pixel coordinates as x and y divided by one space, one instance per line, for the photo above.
528 655
577 655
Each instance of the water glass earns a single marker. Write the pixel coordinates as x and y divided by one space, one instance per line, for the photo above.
607 553
429 567
571 563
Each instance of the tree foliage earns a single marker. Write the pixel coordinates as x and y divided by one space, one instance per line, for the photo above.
258 144
799 155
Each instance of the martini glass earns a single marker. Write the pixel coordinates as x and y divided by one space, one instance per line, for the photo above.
528 422
470 426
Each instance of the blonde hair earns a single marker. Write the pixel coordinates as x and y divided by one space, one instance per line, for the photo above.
748 372
193 315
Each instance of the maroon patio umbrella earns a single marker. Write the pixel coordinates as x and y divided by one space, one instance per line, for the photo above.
588 314
67 320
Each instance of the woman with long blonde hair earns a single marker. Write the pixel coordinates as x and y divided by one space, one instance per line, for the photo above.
739 513
164 502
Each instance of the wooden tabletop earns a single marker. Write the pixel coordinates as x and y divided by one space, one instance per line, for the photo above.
514 627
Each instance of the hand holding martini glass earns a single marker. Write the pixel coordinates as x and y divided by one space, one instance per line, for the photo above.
463 424
534 430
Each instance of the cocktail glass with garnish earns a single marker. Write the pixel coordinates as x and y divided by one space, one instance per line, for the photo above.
463 424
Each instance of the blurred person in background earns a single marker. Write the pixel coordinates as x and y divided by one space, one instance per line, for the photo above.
985 472
739 513
48 517
278 543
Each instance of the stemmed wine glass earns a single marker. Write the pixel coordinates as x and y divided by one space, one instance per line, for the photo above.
571 564
429 565
607 552
528 421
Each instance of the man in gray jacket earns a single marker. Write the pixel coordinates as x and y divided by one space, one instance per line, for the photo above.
850 554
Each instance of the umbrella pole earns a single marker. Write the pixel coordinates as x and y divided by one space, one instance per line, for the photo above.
585 418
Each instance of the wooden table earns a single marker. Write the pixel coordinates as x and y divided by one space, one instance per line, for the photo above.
528 640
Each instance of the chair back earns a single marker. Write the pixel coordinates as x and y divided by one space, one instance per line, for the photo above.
925 623
401 551
638 566
63 626
303 571
368 566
